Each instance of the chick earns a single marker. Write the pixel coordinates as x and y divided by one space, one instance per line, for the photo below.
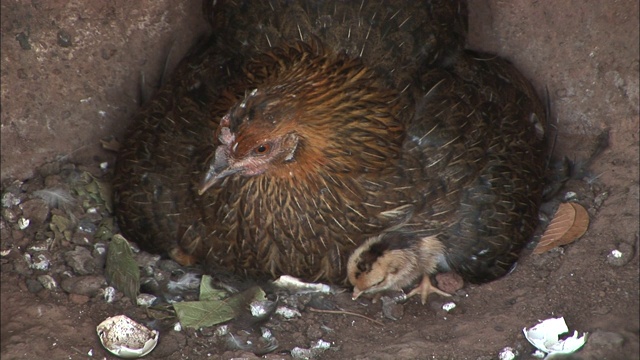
396 260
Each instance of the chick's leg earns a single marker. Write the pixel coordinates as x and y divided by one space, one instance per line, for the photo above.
425 288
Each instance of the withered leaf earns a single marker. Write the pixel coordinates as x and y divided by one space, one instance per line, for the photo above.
122 271
161 312
61 227
569 223
110 143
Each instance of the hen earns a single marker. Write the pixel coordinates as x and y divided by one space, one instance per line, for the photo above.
302 128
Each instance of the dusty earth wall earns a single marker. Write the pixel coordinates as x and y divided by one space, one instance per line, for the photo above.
72 72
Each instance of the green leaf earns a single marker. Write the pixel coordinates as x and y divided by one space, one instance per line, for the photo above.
122 271
208 292
199 314
106 195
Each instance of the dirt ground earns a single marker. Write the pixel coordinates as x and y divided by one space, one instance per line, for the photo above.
69 75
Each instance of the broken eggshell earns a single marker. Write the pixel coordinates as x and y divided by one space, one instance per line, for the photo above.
545 337
126 338
292 283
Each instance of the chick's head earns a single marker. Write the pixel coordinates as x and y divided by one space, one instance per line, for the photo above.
380 265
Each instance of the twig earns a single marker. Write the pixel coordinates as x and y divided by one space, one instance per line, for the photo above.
342 312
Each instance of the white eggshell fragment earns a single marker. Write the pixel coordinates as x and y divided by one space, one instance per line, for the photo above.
508 353
126 338
546 337
292 283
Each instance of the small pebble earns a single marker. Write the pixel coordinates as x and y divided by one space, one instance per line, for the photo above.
99 254
287 313
606 339
299 353
81 261
23 223
87 226
620 256
39 246
10 199
314 332
110 294
508 354
22 265
206 331
539 354
266 333
36 210
222 330
449 282
570 196
64 38
168 265
78 299
147 261
34 286
261 309
39 262
321 344
80 238
599 200
9 215
88 285
145 300
160 275
150 285
391 309
449 306
48 282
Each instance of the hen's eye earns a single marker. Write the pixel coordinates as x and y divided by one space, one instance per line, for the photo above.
262 149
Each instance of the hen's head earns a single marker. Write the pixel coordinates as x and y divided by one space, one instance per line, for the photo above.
307 113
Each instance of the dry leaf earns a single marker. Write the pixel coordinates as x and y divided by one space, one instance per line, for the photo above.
569 223
110 143
580 225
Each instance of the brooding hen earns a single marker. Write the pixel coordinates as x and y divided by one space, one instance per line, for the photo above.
303 128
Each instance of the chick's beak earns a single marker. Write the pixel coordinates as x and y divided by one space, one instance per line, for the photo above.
219 169
356 293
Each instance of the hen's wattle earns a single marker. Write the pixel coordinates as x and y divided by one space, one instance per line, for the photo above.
302 128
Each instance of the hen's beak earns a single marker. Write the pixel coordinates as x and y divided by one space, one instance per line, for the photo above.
219 169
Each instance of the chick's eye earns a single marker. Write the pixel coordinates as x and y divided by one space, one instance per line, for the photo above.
262 149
